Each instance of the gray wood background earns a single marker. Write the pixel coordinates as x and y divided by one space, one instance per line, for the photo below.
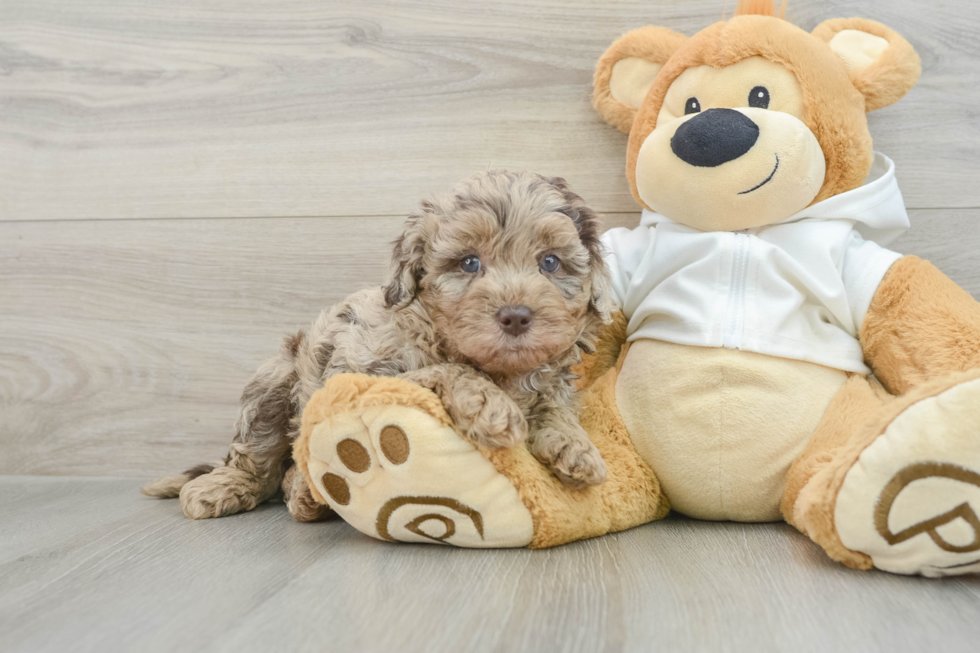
182 182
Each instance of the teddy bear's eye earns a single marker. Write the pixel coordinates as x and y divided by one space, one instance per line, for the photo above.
692 106
759 97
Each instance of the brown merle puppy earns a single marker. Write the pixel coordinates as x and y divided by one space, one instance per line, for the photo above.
496 288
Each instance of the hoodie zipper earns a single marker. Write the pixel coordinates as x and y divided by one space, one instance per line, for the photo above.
735 312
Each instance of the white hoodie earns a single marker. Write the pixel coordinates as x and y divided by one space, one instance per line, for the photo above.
797 289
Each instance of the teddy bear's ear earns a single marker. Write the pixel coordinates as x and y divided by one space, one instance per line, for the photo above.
627 69
882 65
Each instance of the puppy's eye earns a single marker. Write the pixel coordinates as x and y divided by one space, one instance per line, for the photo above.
692 106
550 263
759 97
470 265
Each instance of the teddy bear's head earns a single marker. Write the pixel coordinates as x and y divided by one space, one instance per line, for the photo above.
752 119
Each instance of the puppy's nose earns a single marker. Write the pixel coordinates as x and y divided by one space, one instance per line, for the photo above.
714 137
515 320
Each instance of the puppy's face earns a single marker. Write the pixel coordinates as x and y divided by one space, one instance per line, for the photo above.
508 268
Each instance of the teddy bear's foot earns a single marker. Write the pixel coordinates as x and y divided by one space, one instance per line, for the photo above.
911 501
399 472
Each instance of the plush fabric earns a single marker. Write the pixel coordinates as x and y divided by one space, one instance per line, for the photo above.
834 108
887 78
631 79
844 417
883 475
922 336
857 421
357 393
920 325
608 348
652 44
919 480
383 454
798 289
630 496
720 427
460 479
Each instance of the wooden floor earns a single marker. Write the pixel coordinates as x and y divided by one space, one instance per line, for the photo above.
90 565
182 182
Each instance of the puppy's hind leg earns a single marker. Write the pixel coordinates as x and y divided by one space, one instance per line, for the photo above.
252 470
168 487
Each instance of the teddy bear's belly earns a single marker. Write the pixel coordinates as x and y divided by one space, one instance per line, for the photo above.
720 427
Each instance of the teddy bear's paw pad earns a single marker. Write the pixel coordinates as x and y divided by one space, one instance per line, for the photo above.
396 473
912 500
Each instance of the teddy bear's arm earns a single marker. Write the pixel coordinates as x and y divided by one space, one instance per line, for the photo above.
920 326
608 347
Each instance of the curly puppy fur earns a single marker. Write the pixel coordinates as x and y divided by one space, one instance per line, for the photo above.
440 326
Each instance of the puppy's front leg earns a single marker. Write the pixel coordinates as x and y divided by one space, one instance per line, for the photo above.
481 410
558 441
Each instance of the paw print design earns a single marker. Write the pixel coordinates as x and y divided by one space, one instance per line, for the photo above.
399 473
956 530
912 500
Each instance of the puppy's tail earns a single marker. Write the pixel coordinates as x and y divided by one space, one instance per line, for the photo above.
168 487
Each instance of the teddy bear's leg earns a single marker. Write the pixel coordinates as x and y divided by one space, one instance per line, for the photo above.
894 482
383 454
812 512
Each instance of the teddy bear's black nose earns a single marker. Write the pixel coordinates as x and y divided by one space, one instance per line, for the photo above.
714 137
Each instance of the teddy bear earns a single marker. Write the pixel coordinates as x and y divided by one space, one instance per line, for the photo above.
771 358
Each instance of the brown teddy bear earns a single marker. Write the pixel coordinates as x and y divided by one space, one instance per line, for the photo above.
757 300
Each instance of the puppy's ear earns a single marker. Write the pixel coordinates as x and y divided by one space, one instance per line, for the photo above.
406 263
589 229
882 65
602 303
626 71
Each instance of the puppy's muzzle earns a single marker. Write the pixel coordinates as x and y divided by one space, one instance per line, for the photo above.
515 320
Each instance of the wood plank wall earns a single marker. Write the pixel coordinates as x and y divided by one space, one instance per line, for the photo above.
182 182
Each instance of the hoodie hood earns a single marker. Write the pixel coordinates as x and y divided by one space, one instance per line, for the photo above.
876 207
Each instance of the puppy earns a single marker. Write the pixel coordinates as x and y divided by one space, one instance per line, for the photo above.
496 289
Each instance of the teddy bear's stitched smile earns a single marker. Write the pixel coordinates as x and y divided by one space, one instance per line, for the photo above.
767 180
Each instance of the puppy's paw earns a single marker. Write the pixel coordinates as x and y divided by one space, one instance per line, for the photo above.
574 460
225 491
580 467
299 500
485 414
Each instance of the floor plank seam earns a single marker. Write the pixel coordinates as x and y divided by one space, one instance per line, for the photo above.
345 216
